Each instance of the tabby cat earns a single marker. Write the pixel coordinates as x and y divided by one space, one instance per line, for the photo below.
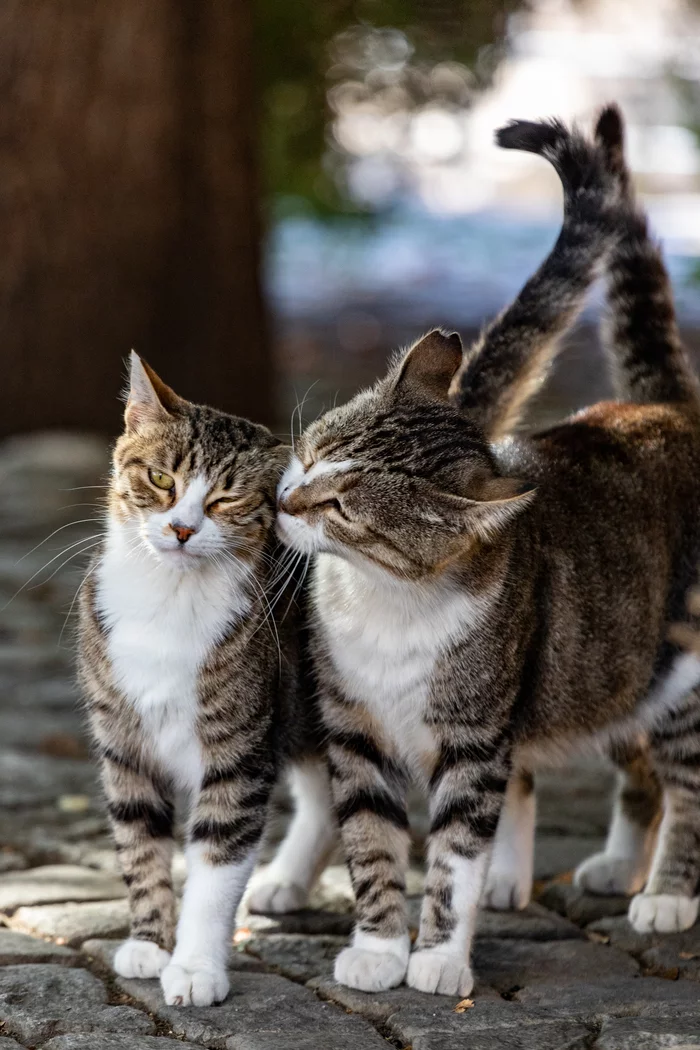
478 607
194 687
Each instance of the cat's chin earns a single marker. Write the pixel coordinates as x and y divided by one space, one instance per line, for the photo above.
179 558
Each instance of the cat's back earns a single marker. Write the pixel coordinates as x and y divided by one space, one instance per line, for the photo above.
613 448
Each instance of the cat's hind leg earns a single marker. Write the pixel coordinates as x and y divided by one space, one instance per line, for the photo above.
509 880
622 867
285 884
669 903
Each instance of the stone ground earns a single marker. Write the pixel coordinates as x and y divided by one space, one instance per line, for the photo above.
567 973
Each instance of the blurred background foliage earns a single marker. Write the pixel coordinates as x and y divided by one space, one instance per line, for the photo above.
316 59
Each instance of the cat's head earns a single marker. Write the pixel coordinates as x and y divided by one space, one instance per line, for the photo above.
191 485
397 477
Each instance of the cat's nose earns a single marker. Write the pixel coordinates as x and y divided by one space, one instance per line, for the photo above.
289 502
183 532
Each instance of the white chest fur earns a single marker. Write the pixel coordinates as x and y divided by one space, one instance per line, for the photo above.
384 637
162 625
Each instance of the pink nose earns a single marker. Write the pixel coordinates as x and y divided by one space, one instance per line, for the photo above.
183 532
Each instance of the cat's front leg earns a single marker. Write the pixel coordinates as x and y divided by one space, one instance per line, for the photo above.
141 815
369 798
224 836
466 799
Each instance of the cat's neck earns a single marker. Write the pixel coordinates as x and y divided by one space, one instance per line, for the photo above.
364 585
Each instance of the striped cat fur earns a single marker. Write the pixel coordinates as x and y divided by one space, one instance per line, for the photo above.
481 606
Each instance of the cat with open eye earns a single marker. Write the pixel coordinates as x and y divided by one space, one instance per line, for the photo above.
194 671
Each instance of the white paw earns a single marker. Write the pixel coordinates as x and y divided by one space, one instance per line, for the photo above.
506 891
663 912
440 973
369 971
200 986
140 959
273 898
608 875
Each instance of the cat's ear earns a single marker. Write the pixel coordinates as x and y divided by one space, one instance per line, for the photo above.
429 366
493 505
149 399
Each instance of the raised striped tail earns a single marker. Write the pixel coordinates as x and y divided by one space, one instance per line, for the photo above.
511 358
640 331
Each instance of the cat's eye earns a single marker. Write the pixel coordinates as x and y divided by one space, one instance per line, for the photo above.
161 480
222 501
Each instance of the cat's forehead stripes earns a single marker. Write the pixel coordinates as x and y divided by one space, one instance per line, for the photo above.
418 439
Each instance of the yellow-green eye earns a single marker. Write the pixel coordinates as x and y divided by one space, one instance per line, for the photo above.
160 480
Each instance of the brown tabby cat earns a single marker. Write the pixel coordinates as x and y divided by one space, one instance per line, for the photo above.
468 624
194 685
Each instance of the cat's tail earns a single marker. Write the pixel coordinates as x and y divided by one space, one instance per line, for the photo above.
640 332
511 358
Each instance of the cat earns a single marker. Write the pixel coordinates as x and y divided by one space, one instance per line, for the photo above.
194 685
479 606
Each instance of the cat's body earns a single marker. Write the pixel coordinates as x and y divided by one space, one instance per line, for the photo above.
467 626
196 690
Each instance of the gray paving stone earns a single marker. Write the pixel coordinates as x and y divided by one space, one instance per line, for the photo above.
666 960
512 964
57 882
31 730
40 1001
577 803
663 955
103 952
257 1004
613 997
24 781
350 1040
300 958
582 908
378 1007
10 860
75 923
17 948
308 922
533 923
648 1034
109 1041
621 934
554 1036
556 854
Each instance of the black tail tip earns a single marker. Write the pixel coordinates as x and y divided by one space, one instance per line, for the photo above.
531 136
610 128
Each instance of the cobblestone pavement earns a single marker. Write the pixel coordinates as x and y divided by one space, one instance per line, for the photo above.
567 973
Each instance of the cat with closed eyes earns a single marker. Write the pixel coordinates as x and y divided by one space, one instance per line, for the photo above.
482 602
196 689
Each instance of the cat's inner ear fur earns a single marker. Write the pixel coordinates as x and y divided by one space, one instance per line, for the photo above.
488 506
149 400
430 365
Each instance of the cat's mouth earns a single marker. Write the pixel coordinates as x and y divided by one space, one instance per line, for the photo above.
184 555
298 534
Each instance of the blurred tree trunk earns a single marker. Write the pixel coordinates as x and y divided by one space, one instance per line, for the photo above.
129 207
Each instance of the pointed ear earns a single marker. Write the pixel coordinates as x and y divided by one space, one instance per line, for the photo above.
498 501
149 399
429 366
